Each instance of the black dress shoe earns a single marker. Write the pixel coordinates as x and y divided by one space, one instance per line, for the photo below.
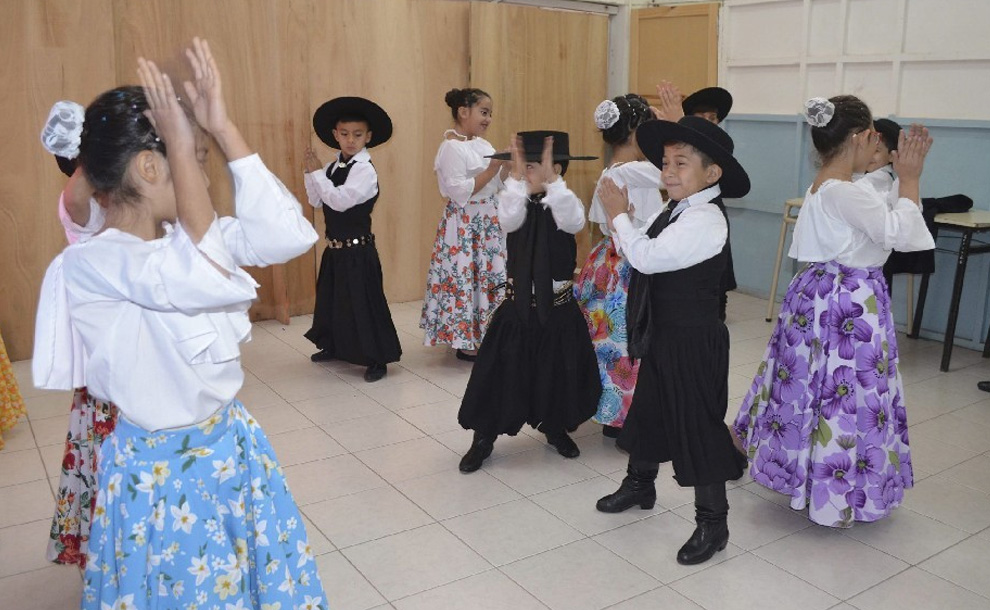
322 356
611 431
465 357
375 372
480 449
564 444
639 487
984 385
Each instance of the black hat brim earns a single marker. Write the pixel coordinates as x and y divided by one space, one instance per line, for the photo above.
326 116
653 135
709 97
504 156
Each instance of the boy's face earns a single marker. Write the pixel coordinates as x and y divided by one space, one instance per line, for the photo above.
880 158
474 121
352 136
709 115
537 176
684 173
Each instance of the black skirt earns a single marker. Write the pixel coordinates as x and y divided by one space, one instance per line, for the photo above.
544 375
351 319
678 411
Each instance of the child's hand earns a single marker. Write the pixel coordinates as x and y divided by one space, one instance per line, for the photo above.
614 200
912 148
311 162
546 162
164 111
205 94
670 102
518 162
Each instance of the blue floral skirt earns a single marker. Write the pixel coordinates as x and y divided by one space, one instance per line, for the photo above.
824 421
197 517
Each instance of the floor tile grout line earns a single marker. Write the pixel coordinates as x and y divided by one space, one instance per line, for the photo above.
952 582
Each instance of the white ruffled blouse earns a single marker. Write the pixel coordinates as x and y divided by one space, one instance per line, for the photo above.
457 163
854 225
643 182
154 326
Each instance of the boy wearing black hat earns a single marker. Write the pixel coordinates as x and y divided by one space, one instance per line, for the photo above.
679 407
536 364
351 321
880 172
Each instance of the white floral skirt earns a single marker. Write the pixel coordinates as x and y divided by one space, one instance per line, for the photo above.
197 517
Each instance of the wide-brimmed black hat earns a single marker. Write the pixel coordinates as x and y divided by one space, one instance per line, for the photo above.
326 116
709 97
702 135
533 147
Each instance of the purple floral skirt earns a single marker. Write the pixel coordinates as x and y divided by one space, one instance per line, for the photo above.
824 421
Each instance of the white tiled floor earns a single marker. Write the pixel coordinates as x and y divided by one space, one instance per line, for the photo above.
374 469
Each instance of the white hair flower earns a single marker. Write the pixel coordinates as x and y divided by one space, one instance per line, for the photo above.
818 111
63 129
606 115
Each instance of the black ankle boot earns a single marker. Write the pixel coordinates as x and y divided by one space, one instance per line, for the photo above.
639 487
712 532
480 449
375 372
564 444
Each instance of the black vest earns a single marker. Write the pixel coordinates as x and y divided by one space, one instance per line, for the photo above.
356 221
685 297
539 253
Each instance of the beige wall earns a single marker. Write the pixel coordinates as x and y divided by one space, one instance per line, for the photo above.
279 60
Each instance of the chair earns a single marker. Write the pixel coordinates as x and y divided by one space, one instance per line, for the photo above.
789 219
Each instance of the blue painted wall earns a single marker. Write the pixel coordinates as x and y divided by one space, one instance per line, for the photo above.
776 151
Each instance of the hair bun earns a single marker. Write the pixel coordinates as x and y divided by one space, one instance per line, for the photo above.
606 115
454 98
62 132
818 111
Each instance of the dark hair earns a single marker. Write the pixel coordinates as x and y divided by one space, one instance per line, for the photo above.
66 165
706 159
889 132
352 118
114 131
463 98
634 110
851 115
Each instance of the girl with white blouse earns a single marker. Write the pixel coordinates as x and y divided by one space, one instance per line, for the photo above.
468 262
603 284
825 419
192 505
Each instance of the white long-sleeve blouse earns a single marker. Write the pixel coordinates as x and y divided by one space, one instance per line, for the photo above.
642 180
457 163
158 323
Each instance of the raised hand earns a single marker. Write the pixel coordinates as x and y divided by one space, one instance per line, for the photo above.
912 148
164 110
205 93
670 108
517 168
311 162
614 200
546 161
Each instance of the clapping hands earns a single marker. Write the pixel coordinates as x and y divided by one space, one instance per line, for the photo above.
912 148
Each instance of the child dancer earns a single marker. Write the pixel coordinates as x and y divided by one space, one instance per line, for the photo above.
880 172
192 504
604 281
351 321
536 364
681 394
90 419
468 262
824 421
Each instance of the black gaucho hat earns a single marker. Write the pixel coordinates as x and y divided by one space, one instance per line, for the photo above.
326 116
702 135
533 147
709 97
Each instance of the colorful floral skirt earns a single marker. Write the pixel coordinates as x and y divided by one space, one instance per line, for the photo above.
824 421
11 404
601 292
197 517
466 270
90 421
